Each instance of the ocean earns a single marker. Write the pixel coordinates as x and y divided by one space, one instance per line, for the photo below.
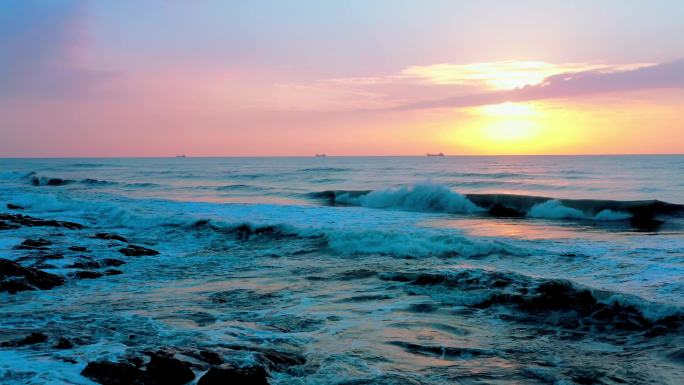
348 270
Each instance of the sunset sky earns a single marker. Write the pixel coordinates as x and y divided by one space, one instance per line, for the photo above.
353 77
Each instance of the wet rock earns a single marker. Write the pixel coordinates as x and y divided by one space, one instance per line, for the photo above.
137 251
136 361
211 358
34 244
110 237
112 262
556 302
7 226
245 232
51 256
113 272
279 361
14 207
43 265
44 181
164 369
253 375
14 286
25 220
86 274
14 278
84 265
422 308
64 343
78 248
31 339
113 373
559 295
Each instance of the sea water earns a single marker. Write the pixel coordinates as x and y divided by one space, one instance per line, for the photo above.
374 270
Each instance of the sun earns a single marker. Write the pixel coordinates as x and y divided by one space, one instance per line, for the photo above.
509 122
511 131
517 128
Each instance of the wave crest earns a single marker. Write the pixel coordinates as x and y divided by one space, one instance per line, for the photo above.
420 197
438 198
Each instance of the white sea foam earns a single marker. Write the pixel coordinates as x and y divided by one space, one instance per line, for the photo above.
412 244
554 209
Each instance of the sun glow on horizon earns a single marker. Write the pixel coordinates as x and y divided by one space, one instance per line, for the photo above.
517 128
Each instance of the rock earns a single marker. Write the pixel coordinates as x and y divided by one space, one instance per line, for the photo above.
278 361
136 251
64 343
6 226
86 274
14 286
165 369
211 358
252 375
113 272
84 265
25 220
34 244
110 237
14 207
51 256
31 339
45 181
14 277
112 262
78 248
113 373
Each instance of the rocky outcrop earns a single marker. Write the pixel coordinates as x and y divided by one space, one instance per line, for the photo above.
15 278
34 244
87 274
110 237
165 369
113 373
251 375
25 220
137 251
31 339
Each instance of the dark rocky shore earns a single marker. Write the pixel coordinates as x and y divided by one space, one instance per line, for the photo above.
166 366
46 254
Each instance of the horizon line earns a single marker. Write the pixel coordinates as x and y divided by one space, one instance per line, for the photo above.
335 156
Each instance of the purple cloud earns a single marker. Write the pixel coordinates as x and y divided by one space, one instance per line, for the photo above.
37 45
665 75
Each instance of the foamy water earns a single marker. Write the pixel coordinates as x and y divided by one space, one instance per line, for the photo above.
376 270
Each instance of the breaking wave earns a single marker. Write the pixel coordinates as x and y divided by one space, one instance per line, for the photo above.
420 197
439 198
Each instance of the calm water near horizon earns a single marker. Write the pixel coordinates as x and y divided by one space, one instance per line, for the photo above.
373 270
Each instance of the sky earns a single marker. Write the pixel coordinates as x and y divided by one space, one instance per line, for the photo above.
352 77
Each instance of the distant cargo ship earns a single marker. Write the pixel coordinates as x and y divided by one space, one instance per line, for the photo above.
180 156
440 154
320 155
